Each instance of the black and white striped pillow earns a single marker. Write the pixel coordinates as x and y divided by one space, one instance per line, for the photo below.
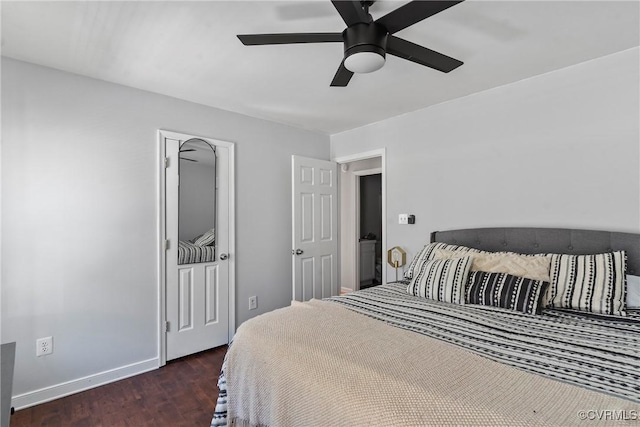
505 291
442 279
428 253
206 239
591 283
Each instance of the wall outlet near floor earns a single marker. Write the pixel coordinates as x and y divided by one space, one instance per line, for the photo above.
44 346
403 219
253 302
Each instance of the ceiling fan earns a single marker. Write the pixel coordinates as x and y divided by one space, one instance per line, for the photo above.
366 42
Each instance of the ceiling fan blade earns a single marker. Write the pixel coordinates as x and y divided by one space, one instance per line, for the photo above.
189 160
342 77
289 38
188 149
421 55
351 12
413 12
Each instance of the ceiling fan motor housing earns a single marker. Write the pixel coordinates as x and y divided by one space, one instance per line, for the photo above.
365 37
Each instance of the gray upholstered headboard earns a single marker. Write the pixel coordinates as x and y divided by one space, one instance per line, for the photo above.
546 240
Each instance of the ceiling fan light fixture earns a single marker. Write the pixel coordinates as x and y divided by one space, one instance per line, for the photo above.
364 47
364 62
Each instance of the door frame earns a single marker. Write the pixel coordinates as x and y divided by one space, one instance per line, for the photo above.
355 190
162 253
355 207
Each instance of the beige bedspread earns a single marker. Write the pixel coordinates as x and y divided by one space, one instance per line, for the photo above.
319 364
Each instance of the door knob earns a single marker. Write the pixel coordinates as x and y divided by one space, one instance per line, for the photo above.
223 257
299 251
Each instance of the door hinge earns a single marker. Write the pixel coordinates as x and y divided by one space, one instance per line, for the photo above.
166 162
166 245
166 326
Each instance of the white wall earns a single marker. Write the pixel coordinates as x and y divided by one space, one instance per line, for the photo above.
79 220
557 150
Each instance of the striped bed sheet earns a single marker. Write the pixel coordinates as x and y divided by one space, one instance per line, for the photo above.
600 353
188 253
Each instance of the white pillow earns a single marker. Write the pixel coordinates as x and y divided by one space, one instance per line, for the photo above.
633 291
206 239
529 266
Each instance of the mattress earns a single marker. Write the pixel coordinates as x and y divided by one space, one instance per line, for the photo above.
188 253
383 357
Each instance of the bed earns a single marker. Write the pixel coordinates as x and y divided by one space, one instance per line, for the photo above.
200 249
190 253
383 356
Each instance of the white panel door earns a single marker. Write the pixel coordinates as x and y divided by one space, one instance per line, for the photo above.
315 234
197 295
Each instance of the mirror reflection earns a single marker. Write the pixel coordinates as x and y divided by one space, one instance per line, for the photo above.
197 206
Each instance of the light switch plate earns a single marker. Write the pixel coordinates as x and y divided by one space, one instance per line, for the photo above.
403 219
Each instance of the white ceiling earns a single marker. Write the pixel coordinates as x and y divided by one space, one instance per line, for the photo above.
189 50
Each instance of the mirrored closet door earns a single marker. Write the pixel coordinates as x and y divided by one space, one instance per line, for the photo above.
197 180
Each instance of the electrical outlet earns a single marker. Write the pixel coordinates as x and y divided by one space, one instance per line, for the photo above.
403 219
44 346
253 302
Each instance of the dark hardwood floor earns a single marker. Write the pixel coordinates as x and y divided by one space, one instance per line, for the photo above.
182 393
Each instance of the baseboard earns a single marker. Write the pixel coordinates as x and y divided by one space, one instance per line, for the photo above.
57 391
